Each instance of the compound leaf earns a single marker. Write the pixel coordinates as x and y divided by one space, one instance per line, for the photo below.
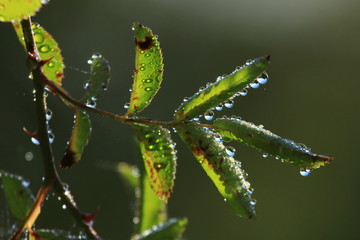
222 169
148 71
221 90
49 52
172 229
79 139
18 10
267 142
158 153
18 195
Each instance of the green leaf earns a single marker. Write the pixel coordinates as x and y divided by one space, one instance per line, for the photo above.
172 229
46 234
158 153
99 81
222 169
99 78
150 210
222 90
49 52
18 195
148 71
79 139
267 142
18 10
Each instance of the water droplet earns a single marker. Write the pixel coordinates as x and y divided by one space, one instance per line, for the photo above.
219 107
148 80
230 150
104 86
263 78
265 155
142 51
51 64
29 156
224 199
148 89
147 55
186 99
91 102
209 115
126 105
254 84
305 172
218 137
44 2
253 202
35 141
90 61
136 220
44 48
229 103
251 190
48 114
38 37
63 206
51 137
96 56
243 93
142 69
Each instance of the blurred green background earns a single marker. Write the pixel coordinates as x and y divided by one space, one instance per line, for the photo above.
312 97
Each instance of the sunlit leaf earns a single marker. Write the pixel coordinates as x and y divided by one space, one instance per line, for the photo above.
79 139
150 210
49 52
18 195
148 71
47 234
267 142
158 153
221 90
222 169
171 230
18 10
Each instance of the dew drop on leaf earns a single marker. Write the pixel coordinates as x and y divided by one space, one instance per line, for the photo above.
243 93
35 141
253 202
48 114
229 103
254 84
265 155
38 38
219 107
44 48
231 151
263 78
148 89
209 115
305 172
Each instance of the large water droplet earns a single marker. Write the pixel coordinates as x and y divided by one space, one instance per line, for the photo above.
219 107
91 102
209 115
253 202
243 93
305 172
263 78
265 155
230 150
35 141
254 84
38 38
90 61
229 103
51 137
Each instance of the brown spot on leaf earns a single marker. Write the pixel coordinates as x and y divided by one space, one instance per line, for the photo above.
145 45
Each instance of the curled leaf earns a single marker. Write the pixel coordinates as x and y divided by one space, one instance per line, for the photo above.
221 90
222 169
158 153
148 71
270 143
18 10
49 52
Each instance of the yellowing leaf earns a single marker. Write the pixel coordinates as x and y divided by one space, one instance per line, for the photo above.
17 10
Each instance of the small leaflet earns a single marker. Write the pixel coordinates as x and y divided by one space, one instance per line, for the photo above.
150 210
47 234
222 169
222 90
267 142
79 139
149 68
18 195
98 82
159 155
18 10
49 52
172 229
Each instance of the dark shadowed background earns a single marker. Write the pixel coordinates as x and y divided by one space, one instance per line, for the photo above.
312 97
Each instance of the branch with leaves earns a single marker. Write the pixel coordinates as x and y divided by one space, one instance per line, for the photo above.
153 180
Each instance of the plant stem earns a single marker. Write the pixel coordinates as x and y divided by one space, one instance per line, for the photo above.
52 178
